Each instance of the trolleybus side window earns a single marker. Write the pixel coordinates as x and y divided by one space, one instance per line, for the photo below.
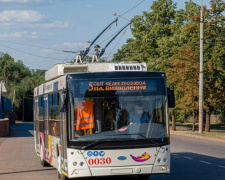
53 115
41 114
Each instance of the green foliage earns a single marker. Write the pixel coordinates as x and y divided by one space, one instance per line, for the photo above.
167 39
19 80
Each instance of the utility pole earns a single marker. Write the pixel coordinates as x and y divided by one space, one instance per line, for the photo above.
201 73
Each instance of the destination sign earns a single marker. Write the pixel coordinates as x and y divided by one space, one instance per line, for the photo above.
91 87
117 85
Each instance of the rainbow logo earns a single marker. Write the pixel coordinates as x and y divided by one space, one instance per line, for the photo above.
144 157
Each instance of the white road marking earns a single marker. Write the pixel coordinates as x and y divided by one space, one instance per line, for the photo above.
205 162
221 166
187 157
175 154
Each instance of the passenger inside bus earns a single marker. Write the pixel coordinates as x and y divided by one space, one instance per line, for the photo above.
138 115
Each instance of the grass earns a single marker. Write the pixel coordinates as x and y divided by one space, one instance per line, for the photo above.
189 125
217 135
216 130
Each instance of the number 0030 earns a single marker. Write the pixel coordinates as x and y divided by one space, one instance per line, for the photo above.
100 161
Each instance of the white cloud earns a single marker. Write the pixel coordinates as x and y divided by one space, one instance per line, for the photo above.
49 25
71 46
29 19
20 16
54 24
47 51
25 34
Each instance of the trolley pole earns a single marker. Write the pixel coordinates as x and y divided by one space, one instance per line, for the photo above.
201 73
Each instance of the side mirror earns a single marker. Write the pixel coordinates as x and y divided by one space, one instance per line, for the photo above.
171 98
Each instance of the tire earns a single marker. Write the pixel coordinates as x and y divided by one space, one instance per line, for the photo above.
63 177
59 175
144 176
43 162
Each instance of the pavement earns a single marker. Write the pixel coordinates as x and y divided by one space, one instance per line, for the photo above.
191 158
18 158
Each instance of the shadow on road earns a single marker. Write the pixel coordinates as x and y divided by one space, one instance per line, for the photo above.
28 171
186 166
22 130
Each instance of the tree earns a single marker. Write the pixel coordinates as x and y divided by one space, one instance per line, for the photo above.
214 58
148 30
167 39
19 80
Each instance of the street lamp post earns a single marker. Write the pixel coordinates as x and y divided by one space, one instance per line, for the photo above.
201 73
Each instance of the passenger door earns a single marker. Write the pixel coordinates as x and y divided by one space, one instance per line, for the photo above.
46 125
63 134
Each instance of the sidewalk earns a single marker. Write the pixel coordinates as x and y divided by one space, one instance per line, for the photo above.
18 158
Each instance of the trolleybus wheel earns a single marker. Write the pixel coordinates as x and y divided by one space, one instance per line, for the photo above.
43 162
63 177
59 175
144 176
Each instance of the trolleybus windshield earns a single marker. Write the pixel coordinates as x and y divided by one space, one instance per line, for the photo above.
117 109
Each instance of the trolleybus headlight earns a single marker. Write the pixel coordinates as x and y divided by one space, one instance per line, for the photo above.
165 159
164 168
81 163
74 163
159 160
76 171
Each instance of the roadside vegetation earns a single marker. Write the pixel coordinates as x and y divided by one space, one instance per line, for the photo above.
217 131
19 80
167 39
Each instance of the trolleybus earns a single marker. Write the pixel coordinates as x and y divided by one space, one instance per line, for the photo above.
103 119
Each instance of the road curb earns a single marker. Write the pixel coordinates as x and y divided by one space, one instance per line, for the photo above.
196 136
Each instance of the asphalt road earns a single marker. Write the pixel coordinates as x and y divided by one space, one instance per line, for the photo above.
191 158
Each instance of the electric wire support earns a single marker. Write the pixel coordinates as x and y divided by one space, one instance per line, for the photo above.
97 54
81 54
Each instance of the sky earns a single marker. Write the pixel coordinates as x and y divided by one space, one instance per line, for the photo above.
39 31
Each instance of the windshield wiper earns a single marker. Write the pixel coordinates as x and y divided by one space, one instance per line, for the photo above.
155 143
96 142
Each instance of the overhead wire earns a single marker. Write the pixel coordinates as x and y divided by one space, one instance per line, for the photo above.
120 17
41 47
117 42
30 53
176 47
67 57
118 30
24 44
103 35
65 51
132 8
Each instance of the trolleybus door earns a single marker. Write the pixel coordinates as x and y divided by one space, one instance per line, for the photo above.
63 134
36 123
46 124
